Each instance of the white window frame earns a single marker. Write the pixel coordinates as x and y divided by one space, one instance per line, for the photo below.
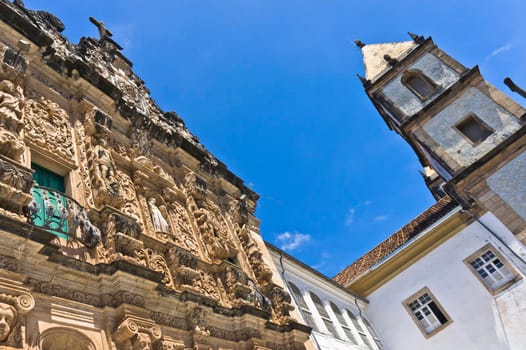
420 307
492 269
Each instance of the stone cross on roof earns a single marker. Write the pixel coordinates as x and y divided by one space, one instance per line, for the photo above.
103 31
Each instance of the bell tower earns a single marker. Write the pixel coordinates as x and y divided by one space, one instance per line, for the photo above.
467 134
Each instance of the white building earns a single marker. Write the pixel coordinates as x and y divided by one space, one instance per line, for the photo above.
337 317
453 278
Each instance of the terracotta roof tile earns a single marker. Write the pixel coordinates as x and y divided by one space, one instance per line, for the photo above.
395 241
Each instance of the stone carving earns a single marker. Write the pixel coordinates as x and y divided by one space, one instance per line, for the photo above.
120 236
213 231
11 120
135 333
15 185
205 284
84 169
12 318
261 270
107 189
64 292
281 305
156 262
170 320
11 145
182 233
11 104
48 126
103 31
123 297
166 344
200 333
235 282
7 320
159 222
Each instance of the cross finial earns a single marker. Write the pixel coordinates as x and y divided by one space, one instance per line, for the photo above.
359 43
103 31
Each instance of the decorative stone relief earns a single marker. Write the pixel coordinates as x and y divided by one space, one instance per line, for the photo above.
48 126
135 333
64 292
11 120
200 333
214 232
156 262
106 187
15 185
281 305
12 318
182 233
169 344
83 161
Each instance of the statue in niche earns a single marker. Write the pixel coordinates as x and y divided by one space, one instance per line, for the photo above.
11 99
159 222
8 316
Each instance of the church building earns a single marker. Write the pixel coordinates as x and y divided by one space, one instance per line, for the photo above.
119 229
453 278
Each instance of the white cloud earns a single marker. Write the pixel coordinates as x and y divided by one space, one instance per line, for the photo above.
324 258
292 241
380 218
500 50
349 218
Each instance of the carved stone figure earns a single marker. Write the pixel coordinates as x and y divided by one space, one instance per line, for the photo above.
7 320
12 320
105 184
11 145
159 222
11 103
142 341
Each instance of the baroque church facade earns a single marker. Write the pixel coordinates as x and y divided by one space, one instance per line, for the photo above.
119 229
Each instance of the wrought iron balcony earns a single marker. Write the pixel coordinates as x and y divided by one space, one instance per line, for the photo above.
61 215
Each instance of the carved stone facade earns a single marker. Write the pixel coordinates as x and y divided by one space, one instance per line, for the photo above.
149 242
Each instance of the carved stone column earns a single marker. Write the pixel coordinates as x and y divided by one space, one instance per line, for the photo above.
136 333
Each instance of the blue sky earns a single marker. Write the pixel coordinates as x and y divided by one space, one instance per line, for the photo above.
270 88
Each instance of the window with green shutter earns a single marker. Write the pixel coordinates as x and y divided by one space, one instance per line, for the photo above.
50 206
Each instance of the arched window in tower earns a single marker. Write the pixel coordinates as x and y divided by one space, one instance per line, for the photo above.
324 315
304 308
419 84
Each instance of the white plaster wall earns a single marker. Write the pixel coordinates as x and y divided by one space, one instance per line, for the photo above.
441 127
480 320
432 67
510 184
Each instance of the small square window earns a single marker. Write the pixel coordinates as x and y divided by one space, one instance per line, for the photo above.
474 129
427 313
491 269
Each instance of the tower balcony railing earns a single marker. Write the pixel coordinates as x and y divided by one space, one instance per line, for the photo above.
61 215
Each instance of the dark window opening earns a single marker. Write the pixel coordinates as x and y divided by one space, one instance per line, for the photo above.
474 129
419 84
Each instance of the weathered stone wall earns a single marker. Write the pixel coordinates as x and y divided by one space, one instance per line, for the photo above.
441 127
406 101
509 183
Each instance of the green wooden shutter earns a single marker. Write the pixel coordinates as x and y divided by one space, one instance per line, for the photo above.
50 219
